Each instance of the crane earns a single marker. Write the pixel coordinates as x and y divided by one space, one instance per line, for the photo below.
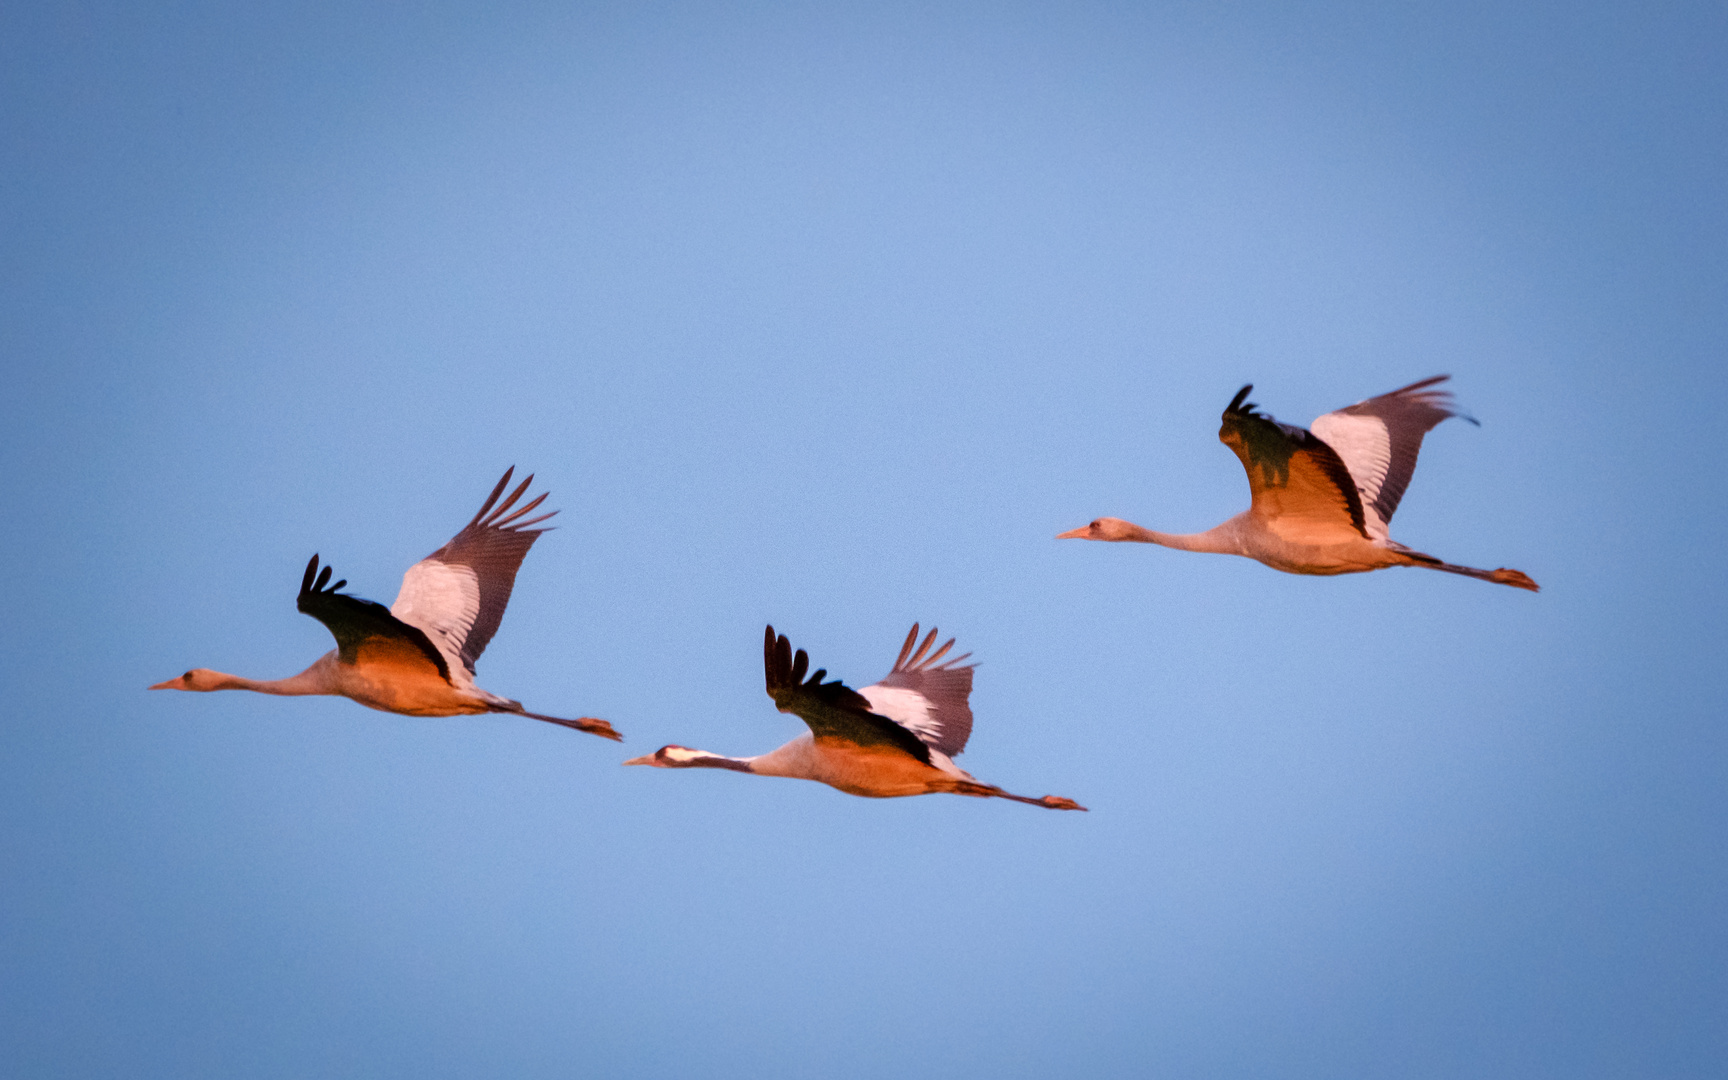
417 656
892 738
1322 499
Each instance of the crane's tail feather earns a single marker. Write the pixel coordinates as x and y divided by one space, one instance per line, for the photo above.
991 791
592 725
1518 579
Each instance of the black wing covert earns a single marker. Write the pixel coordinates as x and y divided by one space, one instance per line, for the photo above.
353 621
1291 471
832 710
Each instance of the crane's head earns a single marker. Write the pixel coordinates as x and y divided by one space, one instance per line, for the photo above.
196 679
682 757
669 757
1105 528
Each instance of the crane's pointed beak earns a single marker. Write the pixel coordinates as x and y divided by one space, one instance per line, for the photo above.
645 759
171 684
1075 534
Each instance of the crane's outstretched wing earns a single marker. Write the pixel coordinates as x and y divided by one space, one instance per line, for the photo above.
365 632
1379 439
1301 487
927 695
832 710
458 593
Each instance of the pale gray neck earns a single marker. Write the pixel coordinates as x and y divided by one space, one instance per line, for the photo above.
316 679
1220 539
797 758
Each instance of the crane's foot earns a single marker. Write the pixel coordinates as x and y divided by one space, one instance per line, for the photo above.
595 726
1057 802
991 791
592 725
1518 579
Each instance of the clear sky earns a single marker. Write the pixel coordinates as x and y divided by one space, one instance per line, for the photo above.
833 316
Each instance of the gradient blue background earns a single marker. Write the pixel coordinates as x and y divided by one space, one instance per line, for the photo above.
832 316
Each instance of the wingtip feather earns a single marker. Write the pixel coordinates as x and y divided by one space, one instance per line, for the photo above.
497 490
918 657
493 521
939 653
504 522
906 649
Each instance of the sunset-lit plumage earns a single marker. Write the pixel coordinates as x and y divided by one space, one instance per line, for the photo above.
417 656
892 738
1322 499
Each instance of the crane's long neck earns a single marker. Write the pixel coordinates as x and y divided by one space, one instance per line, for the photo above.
317 679
1220 539
1204 541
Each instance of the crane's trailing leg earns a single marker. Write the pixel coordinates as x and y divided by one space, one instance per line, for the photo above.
990 791
1518 579
591 725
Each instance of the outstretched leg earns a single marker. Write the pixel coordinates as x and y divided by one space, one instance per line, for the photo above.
1518 579
589 724
991 791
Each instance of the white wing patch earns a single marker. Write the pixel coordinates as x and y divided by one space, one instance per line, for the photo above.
1379 439
946 764
908 708
1364 443
441 600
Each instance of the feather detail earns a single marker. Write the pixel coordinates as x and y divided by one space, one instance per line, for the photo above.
926 695
832 710
457 594
1301 488
1379 440
360 625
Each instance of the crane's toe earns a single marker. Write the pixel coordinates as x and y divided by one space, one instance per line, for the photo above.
595 726
1057 802
1518 579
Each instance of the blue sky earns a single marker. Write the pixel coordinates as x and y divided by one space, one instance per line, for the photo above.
832 316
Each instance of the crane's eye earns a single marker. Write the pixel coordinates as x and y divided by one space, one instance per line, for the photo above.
187 676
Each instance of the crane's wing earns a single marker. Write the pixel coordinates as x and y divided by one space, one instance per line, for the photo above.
1301 487
927 695
832 710
458 593
365 631
1379 439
